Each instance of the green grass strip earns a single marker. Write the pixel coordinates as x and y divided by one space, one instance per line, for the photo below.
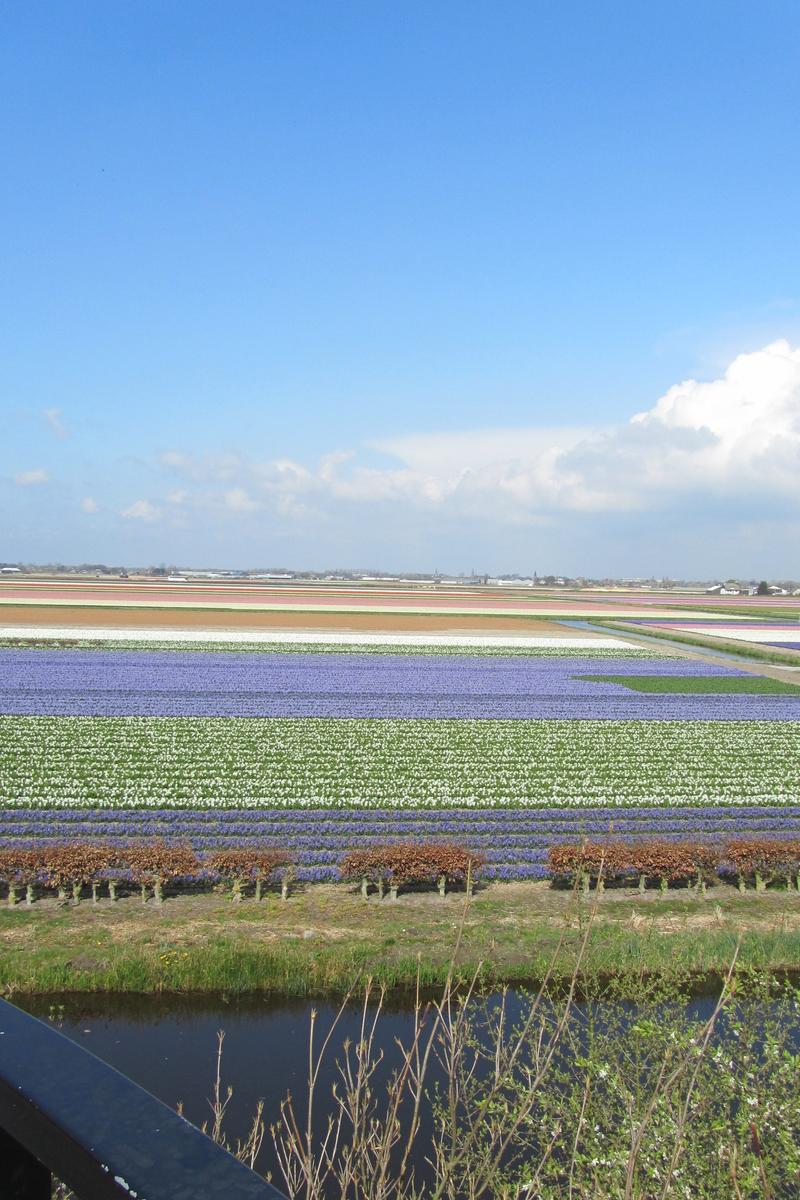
749 685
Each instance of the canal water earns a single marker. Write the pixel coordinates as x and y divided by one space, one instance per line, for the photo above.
168 1045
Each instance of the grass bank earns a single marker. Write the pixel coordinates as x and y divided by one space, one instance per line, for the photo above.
322 938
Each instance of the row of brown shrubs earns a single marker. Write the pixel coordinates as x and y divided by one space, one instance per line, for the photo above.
69 868
750 860
399 864
150 865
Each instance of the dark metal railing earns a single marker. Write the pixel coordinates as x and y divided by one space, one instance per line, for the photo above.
64 1113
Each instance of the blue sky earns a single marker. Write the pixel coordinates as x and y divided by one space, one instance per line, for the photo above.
272 270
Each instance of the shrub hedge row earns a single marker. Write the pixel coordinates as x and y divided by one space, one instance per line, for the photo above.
400 863
70 868
749 860
150 865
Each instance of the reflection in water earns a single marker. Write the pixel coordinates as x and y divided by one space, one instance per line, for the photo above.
168 1044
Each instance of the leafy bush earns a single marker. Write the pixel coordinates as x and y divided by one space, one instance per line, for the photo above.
401 863
21 868
154 864
239 868
74 866
151 864
762 860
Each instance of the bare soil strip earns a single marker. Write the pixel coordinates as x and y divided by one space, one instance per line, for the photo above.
200 619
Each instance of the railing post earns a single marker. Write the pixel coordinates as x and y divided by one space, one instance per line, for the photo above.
24 1177
117 1143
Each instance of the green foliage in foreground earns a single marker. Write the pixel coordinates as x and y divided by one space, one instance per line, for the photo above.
749 685
652 1102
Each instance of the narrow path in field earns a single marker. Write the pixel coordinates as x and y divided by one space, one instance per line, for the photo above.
726 657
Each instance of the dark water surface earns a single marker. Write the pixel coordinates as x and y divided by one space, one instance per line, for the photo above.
168 1045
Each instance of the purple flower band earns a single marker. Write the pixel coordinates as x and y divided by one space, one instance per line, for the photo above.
147 683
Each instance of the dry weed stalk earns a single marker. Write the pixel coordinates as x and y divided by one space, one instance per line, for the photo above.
369 1143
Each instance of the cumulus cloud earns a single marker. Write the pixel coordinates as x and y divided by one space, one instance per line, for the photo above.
141 510
738 435
31 478
53 418
735 438
89 504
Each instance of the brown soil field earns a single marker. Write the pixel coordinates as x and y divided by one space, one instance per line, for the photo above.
120 617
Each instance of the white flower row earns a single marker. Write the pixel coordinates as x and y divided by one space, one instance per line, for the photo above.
762 634
221 762
89 633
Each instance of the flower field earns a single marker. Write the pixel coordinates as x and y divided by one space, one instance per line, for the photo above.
284 641
194 684
282 762
784 635
509 750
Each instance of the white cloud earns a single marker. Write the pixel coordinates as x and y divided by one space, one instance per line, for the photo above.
237 500
141 510
89 504
738 435
174 458
31 478
53 418
732 440
219 466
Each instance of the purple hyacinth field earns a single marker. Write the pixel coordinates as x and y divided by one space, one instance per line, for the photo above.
141 683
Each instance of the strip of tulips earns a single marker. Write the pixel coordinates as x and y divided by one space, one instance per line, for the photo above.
474 647
326 828
216 763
